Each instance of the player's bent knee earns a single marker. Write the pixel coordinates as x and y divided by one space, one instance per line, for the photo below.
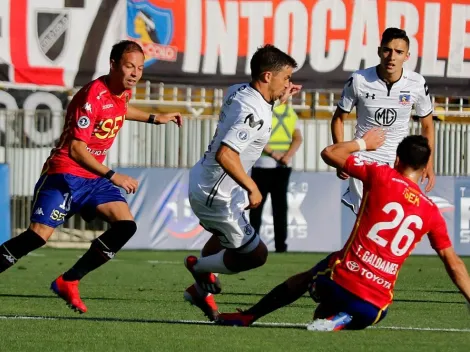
43 231
262 254
119 234
114 212
125 226
259 261
258 255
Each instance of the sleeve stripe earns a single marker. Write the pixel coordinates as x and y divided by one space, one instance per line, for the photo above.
344 110
231 146
425 115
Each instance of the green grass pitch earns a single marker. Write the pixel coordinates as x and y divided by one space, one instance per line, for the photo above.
135 303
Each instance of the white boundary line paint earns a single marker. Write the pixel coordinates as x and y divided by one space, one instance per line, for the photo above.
32 254
203 322
113 259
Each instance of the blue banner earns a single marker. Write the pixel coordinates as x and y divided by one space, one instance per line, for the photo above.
317 220
5 227
462 215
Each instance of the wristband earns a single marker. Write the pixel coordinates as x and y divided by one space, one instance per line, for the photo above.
151 119
362 144
109 174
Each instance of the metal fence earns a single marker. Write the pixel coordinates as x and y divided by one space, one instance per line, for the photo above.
198 101
27 138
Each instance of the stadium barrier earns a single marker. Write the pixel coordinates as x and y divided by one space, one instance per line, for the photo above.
5 229
26 139
309 103
317 220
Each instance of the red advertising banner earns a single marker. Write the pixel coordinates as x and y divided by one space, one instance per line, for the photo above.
57 44
210 42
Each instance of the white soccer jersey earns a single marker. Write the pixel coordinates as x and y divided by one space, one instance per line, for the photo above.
379 104
245 126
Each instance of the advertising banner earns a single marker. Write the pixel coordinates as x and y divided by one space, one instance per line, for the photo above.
211 42
317 220
462 215
57 43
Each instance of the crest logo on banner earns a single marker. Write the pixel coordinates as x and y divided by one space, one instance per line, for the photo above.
153 28
51 32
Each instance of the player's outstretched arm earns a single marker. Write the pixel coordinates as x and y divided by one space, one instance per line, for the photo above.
427 130
337 132
134 114
337 125
336 154
78 152
230 161
457 270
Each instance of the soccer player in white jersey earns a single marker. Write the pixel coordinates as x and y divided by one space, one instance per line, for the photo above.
383 96
220 188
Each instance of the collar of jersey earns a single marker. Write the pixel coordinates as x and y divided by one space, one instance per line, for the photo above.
389 85
257 91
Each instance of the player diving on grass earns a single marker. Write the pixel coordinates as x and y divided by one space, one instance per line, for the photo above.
74 179
220 188
354 286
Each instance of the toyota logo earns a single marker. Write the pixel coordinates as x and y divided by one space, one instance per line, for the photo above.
353 266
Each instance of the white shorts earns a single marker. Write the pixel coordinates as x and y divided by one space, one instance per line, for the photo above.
352 198
234 231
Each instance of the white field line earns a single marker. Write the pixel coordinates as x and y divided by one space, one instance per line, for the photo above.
203 322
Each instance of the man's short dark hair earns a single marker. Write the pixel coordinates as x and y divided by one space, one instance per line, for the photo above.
123 47
269 58
414 151
394 33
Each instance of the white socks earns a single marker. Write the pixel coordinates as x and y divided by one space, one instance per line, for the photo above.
213 263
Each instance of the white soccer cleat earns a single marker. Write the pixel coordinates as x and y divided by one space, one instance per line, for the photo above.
334 323
321 325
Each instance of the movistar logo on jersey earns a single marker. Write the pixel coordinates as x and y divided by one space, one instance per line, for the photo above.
251 121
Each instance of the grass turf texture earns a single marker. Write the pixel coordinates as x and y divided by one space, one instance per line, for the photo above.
136 303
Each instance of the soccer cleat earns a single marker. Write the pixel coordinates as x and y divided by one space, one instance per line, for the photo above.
206 304
207 281
235 319
68 291
333 323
